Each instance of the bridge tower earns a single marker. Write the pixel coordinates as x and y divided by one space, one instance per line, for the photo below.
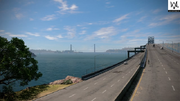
151 40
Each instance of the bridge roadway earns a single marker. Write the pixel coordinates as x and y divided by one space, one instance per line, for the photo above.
104 87
160 80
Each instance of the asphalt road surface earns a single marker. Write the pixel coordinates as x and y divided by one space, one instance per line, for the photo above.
104 87
161 77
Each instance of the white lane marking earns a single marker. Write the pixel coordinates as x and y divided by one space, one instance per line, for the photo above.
129 72
164 68
169 78
162 65
104 78
93 99
123 77
166 72
126 74
72 95
95 83
104 91
85 88
118 80
173 88
112 85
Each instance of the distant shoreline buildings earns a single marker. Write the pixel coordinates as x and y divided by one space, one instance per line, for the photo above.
118 50
72 51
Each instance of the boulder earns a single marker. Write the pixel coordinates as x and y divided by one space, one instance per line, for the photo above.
73 79
57 82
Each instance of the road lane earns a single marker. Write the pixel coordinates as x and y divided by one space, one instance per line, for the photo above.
160 81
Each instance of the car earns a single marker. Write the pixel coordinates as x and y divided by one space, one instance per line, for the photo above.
125 63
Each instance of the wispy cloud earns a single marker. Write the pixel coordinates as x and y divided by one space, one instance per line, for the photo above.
48 17
31 19
107 2
136 33
53 37
1 30
70 31
50 37
15 35
108 5
65 9
142 18
83 32
30 2
157 11
35 34
19 15
59 36
124 30
51 28
103 33
165 20
118 20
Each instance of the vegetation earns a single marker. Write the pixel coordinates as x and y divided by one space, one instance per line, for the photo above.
35 92
67 82
16 65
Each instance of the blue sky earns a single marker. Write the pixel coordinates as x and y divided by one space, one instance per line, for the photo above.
110 24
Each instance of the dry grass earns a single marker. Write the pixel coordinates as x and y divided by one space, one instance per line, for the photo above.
37 92
52 88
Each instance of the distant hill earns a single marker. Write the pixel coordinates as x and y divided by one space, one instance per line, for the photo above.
119 50
32 54
41 51
50 51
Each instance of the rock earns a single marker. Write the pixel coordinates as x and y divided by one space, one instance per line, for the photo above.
57 82
73 79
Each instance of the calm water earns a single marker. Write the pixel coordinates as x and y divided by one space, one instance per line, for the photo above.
56 66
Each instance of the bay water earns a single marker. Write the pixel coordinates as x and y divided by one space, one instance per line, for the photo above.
55 66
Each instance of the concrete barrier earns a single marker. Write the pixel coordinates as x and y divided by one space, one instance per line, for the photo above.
129 83
90 75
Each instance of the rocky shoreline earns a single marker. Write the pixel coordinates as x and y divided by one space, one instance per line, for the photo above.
62 81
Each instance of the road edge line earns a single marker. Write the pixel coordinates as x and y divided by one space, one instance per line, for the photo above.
137 86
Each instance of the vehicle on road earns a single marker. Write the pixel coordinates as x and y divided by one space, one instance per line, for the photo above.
125 63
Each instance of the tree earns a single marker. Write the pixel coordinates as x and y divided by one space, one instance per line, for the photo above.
17 63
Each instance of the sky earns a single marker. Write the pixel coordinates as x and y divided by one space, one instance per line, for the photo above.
110 24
